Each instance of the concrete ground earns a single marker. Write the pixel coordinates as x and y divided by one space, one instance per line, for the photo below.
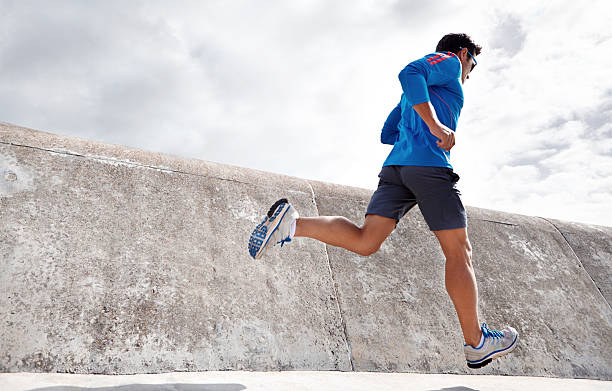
290 380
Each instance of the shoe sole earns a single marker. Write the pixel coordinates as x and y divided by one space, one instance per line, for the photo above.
495 355
264 230
480 364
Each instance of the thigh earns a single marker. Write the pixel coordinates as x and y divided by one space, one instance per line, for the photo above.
437 195
391 199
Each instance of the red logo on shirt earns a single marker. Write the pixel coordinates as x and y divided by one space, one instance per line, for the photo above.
440 57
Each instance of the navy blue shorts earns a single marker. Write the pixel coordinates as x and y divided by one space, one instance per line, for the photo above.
434 189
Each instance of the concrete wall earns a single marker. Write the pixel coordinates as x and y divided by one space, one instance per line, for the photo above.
114 260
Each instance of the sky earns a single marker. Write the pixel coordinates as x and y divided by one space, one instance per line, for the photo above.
302 88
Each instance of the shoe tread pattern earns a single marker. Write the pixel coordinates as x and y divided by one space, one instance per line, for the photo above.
258 236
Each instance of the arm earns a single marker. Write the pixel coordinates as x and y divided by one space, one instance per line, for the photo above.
415 79
389 133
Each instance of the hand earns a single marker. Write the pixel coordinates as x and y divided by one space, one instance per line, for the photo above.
446 137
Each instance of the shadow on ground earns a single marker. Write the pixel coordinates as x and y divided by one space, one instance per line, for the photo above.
150 387
183 387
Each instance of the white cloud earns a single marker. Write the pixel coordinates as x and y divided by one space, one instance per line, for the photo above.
303 87
538 116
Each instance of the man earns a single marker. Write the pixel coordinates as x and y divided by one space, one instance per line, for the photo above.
417 171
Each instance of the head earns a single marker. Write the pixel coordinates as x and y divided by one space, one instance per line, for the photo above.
463 46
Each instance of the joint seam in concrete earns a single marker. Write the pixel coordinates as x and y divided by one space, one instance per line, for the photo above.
118 161
499 222
579 261
333 280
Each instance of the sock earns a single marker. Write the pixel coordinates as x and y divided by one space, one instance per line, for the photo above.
481 342
292 231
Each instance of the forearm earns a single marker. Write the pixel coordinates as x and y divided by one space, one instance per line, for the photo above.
445 135
427 113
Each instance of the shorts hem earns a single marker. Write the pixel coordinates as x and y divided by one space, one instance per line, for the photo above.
447 227
381 215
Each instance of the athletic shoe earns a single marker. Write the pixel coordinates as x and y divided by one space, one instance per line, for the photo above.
275 228
496 344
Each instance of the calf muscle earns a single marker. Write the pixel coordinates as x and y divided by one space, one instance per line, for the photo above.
340 232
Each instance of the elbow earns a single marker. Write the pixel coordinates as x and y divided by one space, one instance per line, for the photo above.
389 139
383 138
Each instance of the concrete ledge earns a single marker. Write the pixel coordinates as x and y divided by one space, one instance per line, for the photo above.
140 265
116 261
592 245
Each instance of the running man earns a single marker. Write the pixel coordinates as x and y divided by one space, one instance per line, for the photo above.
417 171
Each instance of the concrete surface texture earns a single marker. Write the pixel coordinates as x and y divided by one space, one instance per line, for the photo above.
291 380
119 261
593 246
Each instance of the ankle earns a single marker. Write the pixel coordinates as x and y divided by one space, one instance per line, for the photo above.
298 227
476 340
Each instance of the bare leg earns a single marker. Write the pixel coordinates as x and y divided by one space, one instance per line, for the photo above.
341 232
461 281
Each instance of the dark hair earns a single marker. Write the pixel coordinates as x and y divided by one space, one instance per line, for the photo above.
452 43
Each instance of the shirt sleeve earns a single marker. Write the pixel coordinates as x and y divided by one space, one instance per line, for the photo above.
389 133
436 69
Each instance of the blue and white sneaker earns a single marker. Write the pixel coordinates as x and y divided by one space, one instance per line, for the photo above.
275 228
496 344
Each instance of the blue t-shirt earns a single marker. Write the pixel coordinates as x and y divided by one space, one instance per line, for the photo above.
435 78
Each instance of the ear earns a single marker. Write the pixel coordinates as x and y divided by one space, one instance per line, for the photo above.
461 53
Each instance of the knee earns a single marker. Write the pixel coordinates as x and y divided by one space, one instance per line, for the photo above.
373 234
368 248
367 251
462 254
